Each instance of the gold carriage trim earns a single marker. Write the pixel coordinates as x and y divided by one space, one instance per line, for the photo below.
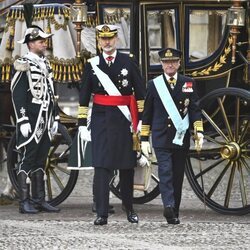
44 13
64 71
140 105
5 73
145 130
218 64
82 112
69 70
115 16
198 126
6 67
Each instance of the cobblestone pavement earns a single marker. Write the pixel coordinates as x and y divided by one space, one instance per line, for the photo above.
73 227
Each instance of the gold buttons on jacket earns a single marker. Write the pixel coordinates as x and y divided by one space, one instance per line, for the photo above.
169 125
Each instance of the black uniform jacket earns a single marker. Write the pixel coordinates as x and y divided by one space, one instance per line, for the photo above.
38 111
111 136
157 118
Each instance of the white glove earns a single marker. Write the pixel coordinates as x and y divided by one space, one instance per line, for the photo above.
145 148
25 129
54 128
142 161
84 133
139 126
199 141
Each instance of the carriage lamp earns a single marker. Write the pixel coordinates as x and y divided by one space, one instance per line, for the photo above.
235 19
236 16
79 17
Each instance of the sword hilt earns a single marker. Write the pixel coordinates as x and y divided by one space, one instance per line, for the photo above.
196 141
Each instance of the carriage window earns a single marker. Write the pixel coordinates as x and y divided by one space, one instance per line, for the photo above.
206 28
121 18
161 32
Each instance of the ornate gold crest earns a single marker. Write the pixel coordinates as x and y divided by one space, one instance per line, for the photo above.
105 28
168 53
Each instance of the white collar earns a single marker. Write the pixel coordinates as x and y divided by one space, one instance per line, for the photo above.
168 77
106 55
39 60
32 55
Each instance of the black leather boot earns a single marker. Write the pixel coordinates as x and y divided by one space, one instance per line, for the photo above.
38 193
25 205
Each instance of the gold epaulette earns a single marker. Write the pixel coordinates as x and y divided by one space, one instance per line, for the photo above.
145 130
21 65
140 105
82 112
198 126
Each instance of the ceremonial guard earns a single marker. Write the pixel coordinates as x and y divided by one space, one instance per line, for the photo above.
36 119
170 109
114 80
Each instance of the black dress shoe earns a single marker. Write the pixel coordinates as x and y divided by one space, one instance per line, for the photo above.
173 221
110 211
46 207
132 216
170 215
100 221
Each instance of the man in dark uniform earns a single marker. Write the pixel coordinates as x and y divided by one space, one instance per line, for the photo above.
36 119
118 94
170 109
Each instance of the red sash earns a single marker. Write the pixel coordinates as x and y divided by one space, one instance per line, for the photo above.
128 100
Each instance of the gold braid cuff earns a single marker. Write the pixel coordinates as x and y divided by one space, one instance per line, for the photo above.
140 105
82 112
198 126
145 130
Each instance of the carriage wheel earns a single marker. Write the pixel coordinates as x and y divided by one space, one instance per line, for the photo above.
140 196
60 181
223 165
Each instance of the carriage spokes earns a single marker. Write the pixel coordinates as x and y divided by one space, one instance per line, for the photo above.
226 151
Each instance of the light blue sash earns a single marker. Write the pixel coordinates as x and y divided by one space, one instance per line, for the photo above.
180 124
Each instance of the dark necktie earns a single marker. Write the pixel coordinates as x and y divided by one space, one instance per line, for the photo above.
109 60
172 82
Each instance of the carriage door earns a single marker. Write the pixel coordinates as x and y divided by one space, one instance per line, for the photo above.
160 28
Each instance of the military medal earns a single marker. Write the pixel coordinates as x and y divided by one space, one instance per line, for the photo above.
124 72
124 82
187 87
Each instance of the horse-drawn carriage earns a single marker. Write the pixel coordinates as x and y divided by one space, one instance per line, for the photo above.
214 38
